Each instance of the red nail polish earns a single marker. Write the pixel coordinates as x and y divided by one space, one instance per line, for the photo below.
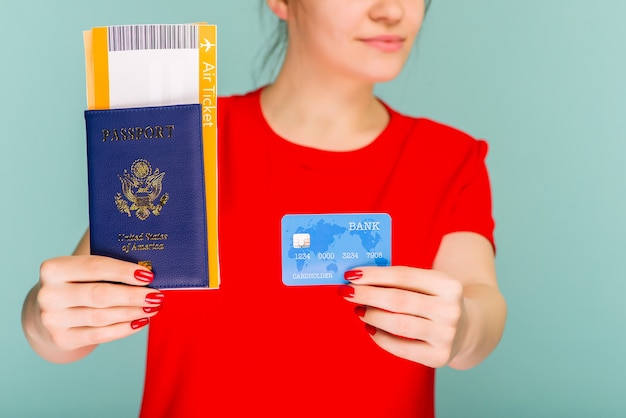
155 298
139 323
151 309
144 276
345 291
353 274
370 329
360 311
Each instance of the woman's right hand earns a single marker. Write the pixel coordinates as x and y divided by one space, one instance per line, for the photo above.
84 300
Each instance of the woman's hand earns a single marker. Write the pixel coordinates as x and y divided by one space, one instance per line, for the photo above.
413 313
452 315
82 301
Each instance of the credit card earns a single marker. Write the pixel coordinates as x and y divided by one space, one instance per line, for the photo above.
318 249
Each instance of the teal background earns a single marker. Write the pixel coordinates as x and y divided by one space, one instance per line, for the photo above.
543 81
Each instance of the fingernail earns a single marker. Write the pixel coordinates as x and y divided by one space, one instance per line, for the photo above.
353 274
151 309
144 276
346 291
139 323
360 311
155 298
370 329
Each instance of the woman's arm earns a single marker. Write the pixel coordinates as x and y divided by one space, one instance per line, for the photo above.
469 258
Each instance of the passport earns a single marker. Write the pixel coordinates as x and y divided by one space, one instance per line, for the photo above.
317 249
147 200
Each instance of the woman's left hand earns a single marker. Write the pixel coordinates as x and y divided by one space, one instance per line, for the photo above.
412 313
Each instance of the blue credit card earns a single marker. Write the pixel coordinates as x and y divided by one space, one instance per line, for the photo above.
319 249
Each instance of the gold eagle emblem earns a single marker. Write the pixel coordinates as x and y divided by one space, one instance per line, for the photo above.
141 188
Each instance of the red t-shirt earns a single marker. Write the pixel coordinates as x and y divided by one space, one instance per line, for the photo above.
256 347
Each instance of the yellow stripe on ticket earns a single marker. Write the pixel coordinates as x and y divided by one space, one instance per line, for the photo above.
207 36
100 51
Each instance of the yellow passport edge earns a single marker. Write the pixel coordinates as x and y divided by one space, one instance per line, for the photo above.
208 99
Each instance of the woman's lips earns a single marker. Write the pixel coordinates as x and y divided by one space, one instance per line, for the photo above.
385 43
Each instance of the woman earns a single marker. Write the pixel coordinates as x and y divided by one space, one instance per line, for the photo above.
317 140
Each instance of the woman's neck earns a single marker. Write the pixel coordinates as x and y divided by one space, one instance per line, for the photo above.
324 113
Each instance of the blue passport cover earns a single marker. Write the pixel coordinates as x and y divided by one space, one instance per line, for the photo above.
146 191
